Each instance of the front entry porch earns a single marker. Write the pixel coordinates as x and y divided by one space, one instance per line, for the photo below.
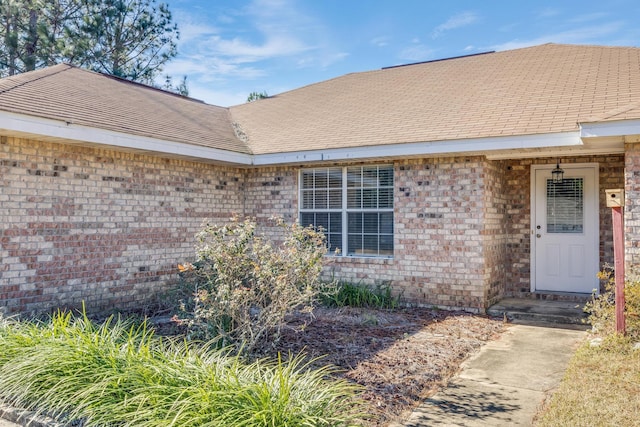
562 313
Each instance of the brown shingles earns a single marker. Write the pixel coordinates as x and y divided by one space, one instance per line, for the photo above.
85 98
543 89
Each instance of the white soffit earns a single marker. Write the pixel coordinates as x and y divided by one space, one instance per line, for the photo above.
507 146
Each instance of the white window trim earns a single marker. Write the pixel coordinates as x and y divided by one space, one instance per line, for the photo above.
345 210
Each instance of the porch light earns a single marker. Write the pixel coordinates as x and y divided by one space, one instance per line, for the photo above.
557 175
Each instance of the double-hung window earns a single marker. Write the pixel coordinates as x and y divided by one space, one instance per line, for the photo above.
353 205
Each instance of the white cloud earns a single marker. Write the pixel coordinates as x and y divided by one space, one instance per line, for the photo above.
381 41
263 30
589 17
549 12
580 35
223 98
457 21
244 51
418 52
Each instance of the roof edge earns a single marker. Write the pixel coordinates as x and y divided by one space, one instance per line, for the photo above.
625 127
74 133
449 147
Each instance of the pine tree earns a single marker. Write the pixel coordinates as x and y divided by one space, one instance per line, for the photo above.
131 39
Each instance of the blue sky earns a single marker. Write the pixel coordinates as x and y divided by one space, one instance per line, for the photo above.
230 48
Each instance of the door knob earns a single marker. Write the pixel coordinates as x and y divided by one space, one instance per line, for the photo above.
538 236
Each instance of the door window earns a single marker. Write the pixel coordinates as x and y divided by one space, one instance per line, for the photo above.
565 206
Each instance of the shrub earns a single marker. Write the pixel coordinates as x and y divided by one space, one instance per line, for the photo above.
243 284
601 308
119 374
346 294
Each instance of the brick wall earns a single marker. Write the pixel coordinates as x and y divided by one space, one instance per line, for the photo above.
496 232
632 205
272 192
108 227
105 227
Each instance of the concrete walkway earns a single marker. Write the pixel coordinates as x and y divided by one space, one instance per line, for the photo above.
505 383
6 423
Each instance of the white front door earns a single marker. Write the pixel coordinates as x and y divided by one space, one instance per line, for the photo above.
565 229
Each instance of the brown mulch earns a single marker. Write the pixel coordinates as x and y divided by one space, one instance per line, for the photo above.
400 357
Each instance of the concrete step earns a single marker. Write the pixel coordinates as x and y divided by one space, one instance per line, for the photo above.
540 311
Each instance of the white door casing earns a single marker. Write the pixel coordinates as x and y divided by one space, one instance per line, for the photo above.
565 229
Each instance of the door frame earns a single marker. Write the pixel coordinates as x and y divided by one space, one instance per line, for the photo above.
532 214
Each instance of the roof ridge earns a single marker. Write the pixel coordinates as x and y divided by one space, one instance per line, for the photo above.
439 60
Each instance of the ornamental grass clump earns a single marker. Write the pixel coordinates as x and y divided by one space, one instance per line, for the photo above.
120 374
244 284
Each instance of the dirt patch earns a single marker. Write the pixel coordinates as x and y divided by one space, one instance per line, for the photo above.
400 357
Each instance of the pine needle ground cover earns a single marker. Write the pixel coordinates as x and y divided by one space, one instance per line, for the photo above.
120 374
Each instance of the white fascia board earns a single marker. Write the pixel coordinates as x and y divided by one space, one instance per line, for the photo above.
560 139
79 133
85 134
614 128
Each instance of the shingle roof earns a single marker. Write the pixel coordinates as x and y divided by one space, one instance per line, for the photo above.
81 97
537 90
542 89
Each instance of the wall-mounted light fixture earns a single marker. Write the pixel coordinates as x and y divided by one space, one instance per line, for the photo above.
557 174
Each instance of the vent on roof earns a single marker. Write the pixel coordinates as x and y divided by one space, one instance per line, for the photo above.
438 60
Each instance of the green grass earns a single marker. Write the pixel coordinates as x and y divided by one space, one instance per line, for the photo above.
600 388
119 374
347 294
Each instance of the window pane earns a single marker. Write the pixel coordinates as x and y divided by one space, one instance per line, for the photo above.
385 176
322 220
565 206
320 199
369 198
370 246
307 219
335 178
334 242
307 179
321 180
386 245
354 198
355 223
370 225
355 244
385 198
354 177
386 222
335 199
370 177
307 199
335 219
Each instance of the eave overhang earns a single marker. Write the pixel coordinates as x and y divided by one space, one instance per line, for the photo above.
589 139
